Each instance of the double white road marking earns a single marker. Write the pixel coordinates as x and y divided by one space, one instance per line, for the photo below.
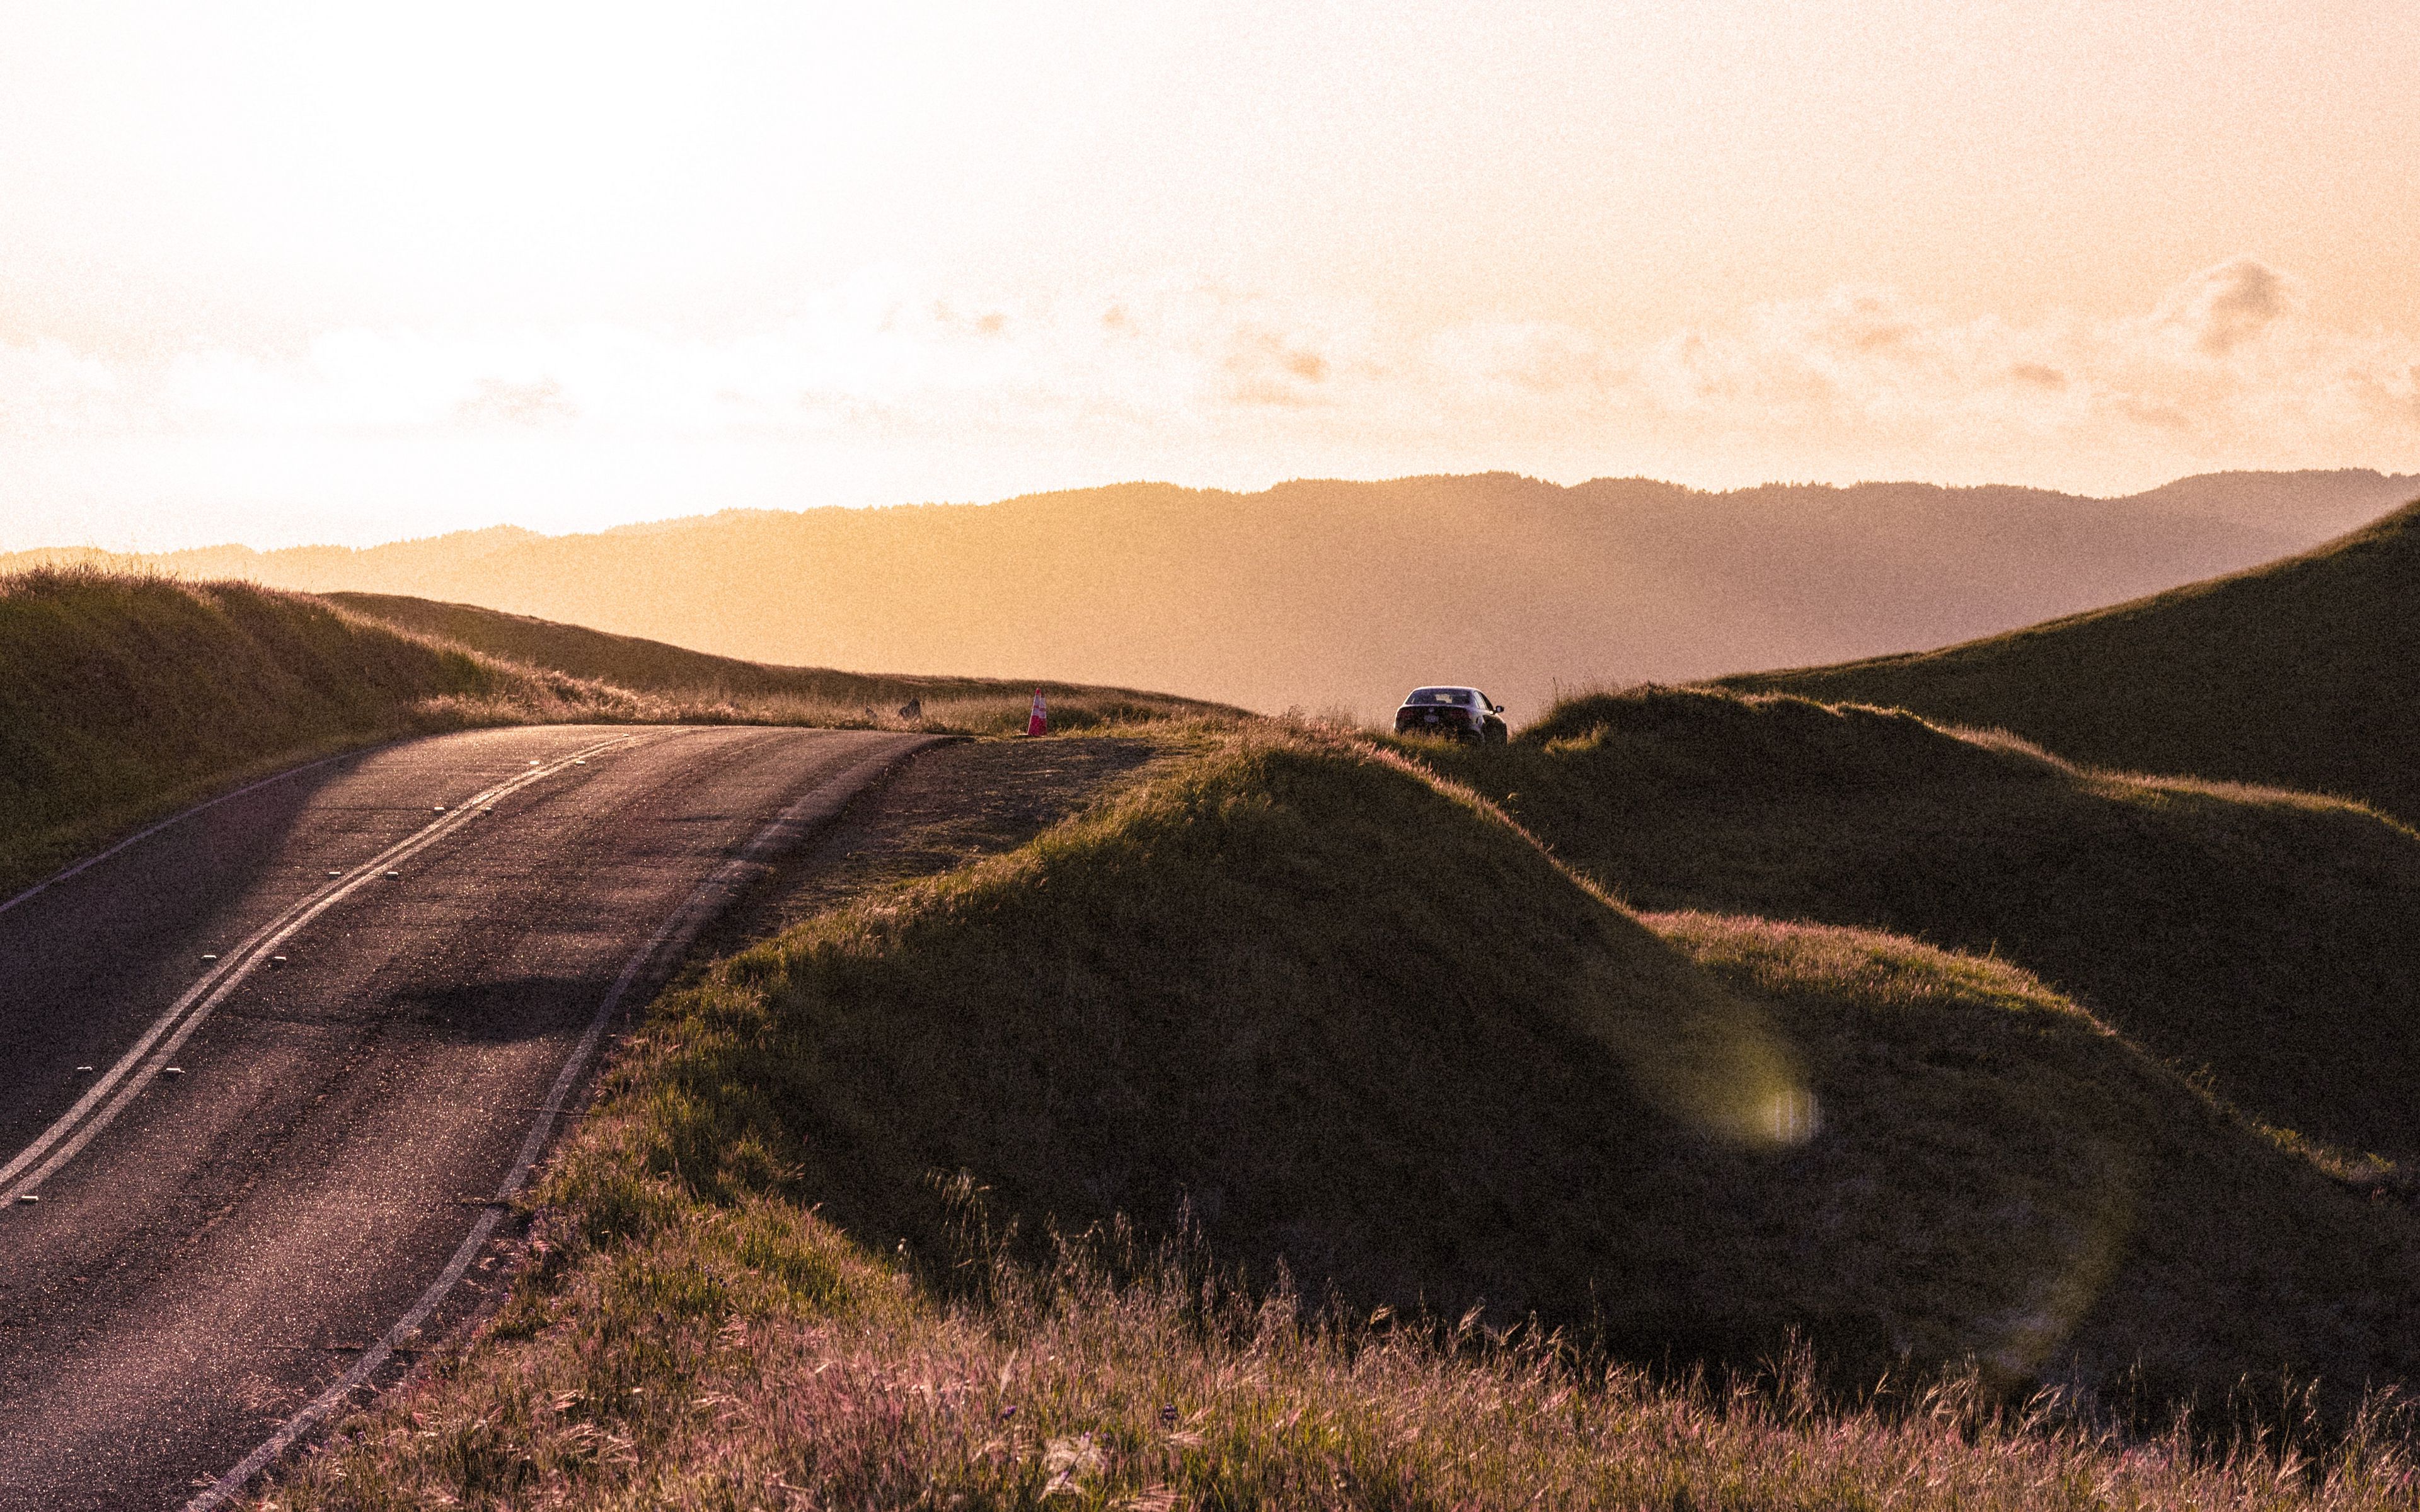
819 806
141 1065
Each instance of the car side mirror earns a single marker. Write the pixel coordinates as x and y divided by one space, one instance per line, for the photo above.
1496 708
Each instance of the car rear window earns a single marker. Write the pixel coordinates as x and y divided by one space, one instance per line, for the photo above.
1439 695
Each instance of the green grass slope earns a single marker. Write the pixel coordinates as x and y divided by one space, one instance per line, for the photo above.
2272 939
2304 673
653 667
1365 1028
122 698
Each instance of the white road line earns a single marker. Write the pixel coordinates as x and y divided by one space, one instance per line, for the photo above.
54 879
816 807
135 1070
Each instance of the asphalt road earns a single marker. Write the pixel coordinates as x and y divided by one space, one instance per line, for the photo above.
368 1060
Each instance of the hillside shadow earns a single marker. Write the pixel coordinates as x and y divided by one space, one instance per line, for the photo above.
1351 1031
91 958
2266 942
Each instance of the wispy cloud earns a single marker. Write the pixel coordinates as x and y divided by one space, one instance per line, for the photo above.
2226 363
1176 374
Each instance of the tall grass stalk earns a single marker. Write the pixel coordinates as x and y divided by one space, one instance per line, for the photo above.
754 1356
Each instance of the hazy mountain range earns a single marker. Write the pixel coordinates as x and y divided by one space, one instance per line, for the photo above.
1325 594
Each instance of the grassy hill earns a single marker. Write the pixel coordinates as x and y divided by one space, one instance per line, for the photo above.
2271 939
1365 1028
653 667
124 697
1325 593
1350 1019
2303 674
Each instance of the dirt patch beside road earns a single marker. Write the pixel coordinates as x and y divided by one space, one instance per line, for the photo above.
948 805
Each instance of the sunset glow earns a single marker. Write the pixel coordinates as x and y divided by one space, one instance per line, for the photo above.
288 272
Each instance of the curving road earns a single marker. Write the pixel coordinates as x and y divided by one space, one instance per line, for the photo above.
266 1071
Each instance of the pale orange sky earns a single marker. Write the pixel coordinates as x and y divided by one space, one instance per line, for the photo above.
312 272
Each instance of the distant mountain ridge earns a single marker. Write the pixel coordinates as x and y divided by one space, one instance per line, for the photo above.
1323 594
2327 503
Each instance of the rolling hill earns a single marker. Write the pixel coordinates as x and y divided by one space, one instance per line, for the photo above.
753 687
1322 594
1336 1017
126 696
2303 673
2267 941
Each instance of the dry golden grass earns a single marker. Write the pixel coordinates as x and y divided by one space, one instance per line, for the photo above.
124 697
752 1356
753 690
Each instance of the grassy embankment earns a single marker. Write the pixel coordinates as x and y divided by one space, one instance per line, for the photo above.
1354 1021
2304 673
2268 939
124 697
755 691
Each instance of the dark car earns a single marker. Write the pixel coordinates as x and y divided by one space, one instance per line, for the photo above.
1463 713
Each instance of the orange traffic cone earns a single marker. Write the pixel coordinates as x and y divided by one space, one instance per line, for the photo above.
1040 719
